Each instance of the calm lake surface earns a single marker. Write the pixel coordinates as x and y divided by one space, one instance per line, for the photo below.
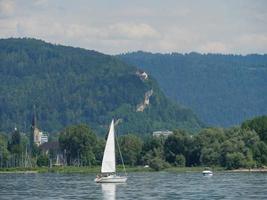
158 185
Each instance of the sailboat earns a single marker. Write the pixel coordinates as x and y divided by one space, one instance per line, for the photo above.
108 168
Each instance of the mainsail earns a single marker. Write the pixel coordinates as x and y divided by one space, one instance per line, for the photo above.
108 162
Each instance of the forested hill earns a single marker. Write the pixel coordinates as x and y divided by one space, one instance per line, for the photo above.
222 89
71 85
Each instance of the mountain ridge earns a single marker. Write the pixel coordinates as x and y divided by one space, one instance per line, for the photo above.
223 90
72 85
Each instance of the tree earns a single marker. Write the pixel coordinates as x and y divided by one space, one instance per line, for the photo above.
42 161
131 147
16 149
177 143
260 153
235 160
209 156
153 147
15 146
78 142
206 147
180 160
259 124
4 153
99 150
157 163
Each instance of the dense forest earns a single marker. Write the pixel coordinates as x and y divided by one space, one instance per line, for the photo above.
69 86
223 90
237 147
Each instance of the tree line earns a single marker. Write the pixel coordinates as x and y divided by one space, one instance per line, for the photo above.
237 147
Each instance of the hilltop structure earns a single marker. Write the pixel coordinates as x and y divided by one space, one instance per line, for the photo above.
142 75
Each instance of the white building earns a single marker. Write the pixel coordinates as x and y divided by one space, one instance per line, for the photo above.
39 137
142 75
165 133
44 138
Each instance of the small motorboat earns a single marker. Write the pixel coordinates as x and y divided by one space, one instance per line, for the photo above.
207 173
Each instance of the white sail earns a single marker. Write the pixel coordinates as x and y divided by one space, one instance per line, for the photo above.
109 162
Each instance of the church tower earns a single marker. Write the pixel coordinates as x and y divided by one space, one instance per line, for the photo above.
33 126
36 134
37 137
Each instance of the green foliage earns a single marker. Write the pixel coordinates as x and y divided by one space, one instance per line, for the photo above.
131 147
223 90
180 160
15 146
207 146
73 86
35 150
258 124
235 160
153 147
42 161
178 143
209 157
4 153
78 143
230 148
260 153
157 164
99 150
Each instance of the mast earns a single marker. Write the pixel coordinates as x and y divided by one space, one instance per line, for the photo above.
121 156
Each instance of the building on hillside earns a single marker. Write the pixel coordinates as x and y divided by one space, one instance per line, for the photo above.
142 75
165 133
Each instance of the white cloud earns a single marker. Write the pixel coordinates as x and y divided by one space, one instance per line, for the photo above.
131 31
180 26
213 47
40 2
250 39
8 28
7 8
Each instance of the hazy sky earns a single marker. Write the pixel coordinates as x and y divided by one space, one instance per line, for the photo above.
116 26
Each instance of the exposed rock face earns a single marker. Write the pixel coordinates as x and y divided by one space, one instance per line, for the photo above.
142 106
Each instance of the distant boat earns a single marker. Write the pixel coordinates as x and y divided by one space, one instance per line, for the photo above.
207 172
108 168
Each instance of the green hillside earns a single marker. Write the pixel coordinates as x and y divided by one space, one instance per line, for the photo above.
71 85
223 90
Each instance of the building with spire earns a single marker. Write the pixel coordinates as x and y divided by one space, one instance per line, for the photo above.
37 136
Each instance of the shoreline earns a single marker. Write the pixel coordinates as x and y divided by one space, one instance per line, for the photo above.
19 172
96 170
250 170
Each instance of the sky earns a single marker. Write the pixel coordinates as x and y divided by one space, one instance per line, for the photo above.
120 26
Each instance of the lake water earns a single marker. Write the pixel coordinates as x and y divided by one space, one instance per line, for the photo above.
158 185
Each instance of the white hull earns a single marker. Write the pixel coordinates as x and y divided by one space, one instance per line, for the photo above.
111 179
207 173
